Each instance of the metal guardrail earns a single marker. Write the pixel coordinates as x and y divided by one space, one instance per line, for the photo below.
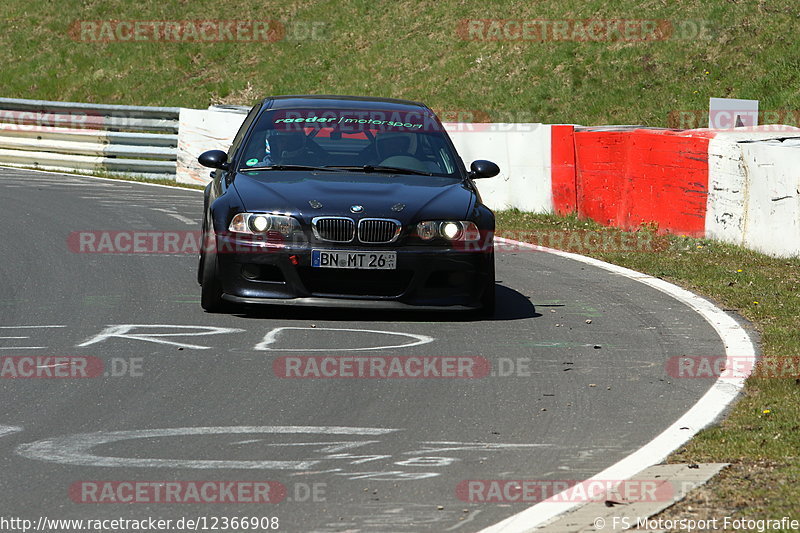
115 139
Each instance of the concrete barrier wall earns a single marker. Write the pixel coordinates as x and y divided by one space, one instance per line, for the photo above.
727 179
201 130
600 159
773 209
522 151
740 186
755 178
630 177
666 183
737 186
562 169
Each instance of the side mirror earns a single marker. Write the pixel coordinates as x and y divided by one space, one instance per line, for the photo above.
483 169
214 159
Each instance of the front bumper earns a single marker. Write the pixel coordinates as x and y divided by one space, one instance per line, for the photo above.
426 277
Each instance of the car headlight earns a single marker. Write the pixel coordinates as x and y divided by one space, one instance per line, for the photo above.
257 223
427 230
451 230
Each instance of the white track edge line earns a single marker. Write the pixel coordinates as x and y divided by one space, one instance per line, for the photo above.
738 345
117 180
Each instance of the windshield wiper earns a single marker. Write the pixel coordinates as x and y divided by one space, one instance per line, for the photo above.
290 167
381 168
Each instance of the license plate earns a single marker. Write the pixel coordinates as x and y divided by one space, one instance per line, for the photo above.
354 259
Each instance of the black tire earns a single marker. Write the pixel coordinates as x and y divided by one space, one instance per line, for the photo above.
200 268
202 258
211 289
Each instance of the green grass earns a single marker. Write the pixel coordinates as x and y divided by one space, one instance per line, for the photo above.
764 448
411 49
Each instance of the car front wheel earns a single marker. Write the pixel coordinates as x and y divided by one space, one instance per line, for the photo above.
210 286
211 290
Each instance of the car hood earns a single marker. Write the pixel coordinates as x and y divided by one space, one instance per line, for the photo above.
380 195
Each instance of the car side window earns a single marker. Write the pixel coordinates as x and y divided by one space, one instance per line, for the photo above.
237 141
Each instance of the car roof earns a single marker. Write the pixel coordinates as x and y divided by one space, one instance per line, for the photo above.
343 102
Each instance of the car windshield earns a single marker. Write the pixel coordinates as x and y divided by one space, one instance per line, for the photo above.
357 140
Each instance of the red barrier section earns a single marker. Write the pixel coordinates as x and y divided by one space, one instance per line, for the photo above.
666 182
599 169
562 157
629 178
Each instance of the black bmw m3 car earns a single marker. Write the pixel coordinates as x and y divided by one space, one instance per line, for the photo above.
345 201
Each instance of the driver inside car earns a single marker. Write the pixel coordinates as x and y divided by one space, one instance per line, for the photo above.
399 149
286 148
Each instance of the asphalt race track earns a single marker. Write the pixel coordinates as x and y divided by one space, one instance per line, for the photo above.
189 396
